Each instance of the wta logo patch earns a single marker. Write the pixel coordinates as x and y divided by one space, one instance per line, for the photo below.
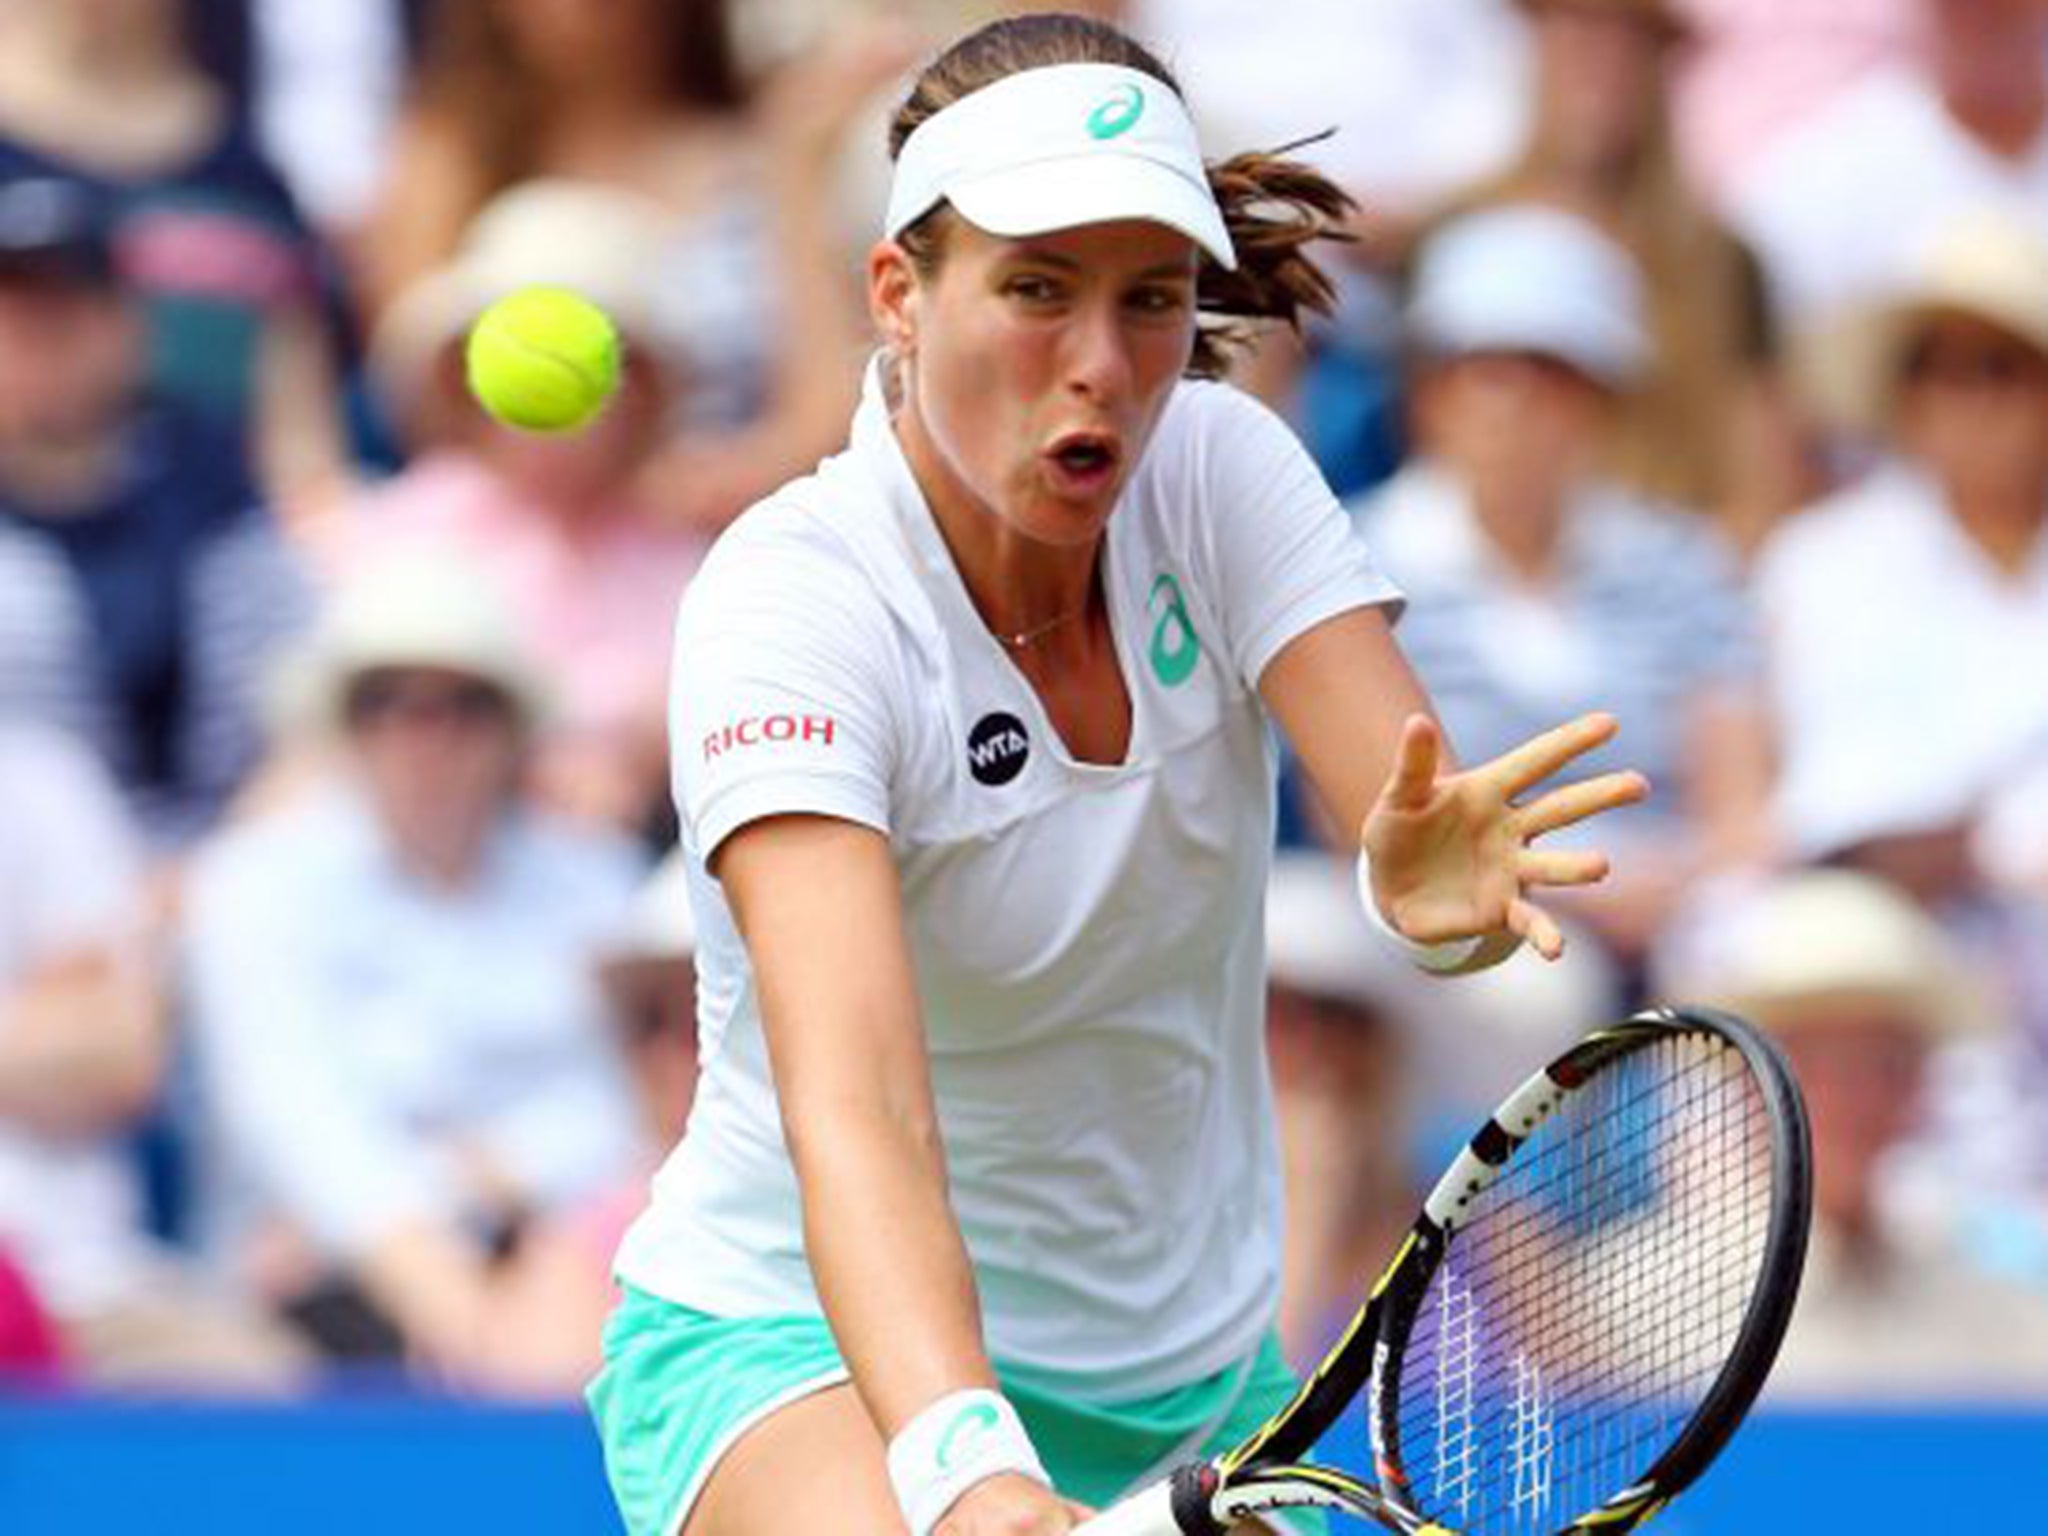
768 730
997 748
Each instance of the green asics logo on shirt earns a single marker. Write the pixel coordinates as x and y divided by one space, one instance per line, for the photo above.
1175 650
1117 114
972 1422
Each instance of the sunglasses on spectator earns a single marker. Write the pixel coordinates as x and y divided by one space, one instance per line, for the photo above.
384 697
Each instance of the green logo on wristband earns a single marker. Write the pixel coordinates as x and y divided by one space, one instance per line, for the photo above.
968 1427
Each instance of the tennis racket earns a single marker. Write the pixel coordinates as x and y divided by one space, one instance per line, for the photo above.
1577 1321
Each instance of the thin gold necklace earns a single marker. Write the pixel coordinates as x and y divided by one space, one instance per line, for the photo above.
1037 632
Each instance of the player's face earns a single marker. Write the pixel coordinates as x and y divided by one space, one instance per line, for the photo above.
1038 368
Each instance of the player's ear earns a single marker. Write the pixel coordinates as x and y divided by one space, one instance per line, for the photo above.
893 296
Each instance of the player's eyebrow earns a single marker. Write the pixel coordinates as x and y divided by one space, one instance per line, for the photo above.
1044 255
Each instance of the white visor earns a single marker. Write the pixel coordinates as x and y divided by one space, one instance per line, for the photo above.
1060 147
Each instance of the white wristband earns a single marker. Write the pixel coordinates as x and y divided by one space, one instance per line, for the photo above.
1445 956
952 1444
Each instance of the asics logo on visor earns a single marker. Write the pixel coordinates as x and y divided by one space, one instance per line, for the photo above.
1118 113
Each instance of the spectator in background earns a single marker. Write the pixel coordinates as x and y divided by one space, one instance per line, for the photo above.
234 287
556 1289
82 1049
1424 95
181 583
1400 102
1906 613
1907 617
1708 423
1863 989
647 95
402 1040
566 523
1840 207
1340 1009
1537 584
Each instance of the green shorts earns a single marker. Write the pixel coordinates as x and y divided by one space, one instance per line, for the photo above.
678 1389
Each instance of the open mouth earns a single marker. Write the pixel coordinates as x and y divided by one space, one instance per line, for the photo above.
1085 457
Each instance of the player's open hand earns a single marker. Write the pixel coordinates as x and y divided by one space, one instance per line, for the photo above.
1452 854
1010 1505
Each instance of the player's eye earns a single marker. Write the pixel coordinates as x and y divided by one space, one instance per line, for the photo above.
1031 288
1159 298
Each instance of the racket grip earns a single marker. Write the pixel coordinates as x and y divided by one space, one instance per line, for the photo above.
1148 1512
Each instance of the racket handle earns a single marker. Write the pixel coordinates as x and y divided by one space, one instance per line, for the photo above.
1148 1512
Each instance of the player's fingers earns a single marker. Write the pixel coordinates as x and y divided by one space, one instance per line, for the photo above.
1561 866
1536 927
1575 802
1415 764
1539 757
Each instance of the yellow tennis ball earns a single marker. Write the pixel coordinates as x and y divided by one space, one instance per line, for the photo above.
543 359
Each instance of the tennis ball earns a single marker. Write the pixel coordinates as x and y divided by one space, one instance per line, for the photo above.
543 359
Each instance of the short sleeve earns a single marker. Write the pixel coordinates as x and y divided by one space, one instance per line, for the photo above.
1284 556
780 699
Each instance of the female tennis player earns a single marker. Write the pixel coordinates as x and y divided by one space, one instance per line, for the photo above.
979 1198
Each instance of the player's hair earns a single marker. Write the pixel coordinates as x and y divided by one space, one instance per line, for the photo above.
1272 206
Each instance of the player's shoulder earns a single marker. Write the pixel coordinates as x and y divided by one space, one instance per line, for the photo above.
809 548
1215 444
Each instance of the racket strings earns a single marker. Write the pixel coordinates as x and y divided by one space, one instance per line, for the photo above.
1588 1300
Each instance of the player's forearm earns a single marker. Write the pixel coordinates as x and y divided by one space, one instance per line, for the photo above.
889 1262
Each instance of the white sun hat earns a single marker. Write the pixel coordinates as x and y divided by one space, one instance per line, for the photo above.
415 606
1991 264
1788 947
659 924
1524 277
1059 147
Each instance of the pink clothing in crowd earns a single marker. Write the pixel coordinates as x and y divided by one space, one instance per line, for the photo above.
1758 67
28 1343
596 596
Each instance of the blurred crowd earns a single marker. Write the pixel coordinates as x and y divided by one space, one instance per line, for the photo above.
1691 362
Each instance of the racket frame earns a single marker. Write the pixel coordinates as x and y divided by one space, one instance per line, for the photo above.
1268 1471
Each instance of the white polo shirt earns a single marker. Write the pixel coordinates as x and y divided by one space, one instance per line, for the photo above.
1087 938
